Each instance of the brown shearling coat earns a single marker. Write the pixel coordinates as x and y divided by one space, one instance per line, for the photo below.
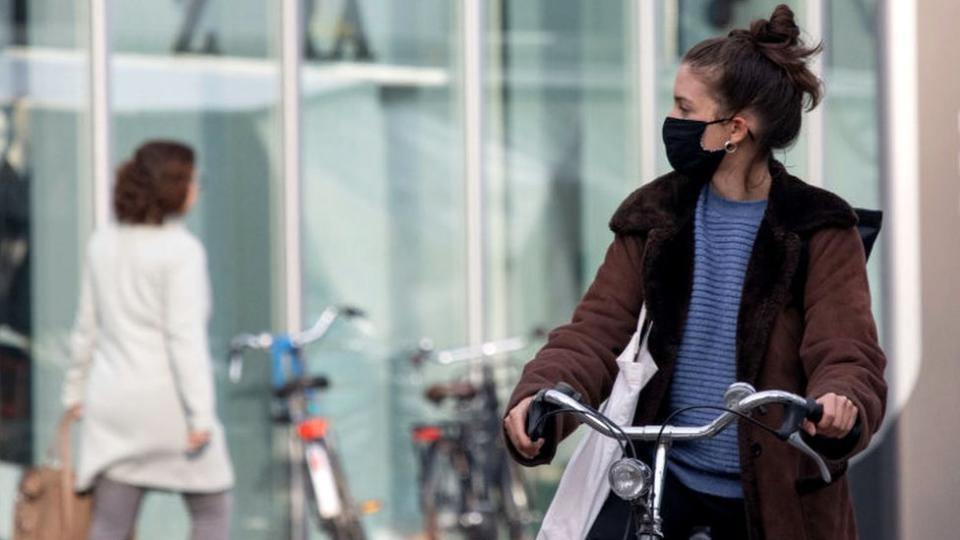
824 341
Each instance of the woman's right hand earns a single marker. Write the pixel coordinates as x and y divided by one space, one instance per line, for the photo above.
196 440
516 426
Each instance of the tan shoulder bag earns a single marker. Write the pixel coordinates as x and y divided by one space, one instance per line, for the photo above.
47 506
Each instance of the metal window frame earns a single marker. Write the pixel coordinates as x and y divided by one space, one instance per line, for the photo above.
645 40
100 108
815 120
291 98
472 28
291 60
901 192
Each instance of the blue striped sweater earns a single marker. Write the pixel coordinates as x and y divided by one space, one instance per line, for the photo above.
706 362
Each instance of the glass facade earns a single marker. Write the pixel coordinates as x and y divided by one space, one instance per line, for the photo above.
559 158
852 110
382 206
383 200
46 205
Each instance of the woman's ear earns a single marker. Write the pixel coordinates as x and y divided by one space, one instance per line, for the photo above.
739 129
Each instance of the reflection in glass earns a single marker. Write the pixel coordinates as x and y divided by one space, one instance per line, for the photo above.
45 216
560 158
382 225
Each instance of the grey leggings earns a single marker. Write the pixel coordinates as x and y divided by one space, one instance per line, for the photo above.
115 508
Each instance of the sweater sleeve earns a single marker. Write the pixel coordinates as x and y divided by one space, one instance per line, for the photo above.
583 353
83 341
840 350
187 310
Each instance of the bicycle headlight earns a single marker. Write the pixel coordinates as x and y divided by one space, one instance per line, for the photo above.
630 478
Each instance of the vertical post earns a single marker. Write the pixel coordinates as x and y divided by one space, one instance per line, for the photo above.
472 24
814 122
291 57
99 73
644 39
901 171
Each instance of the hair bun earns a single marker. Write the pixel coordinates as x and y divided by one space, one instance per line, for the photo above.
154 183
781 29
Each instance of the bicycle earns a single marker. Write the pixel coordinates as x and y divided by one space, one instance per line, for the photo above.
295 404
468 483
633 480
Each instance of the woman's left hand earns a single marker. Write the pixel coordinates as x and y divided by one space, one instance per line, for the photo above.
839 417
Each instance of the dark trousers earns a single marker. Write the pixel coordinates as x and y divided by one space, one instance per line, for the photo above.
684 512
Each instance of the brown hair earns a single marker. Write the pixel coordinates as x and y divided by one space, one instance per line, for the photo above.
763 69
153 184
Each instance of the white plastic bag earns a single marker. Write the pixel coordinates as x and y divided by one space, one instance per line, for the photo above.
584 485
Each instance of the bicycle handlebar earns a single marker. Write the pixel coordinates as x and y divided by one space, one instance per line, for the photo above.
484 350
264 341
740 397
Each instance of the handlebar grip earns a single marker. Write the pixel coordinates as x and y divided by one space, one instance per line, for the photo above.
352 312
794 415
537 427
814 411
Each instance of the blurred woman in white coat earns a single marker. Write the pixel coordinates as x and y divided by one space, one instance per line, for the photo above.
141 373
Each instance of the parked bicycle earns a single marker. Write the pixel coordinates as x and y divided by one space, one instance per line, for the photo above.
468 484
633 480
295 404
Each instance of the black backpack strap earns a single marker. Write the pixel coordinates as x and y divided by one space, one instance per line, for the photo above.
868 225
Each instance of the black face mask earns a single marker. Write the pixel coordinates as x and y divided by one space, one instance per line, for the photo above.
683 140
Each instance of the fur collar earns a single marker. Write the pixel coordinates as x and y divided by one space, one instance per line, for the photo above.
793 205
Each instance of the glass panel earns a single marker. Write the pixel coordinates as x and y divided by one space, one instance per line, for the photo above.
383 225
561 158
852 137
45 217
559 113
221 99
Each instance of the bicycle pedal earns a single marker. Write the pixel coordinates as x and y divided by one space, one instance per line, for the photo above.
370 507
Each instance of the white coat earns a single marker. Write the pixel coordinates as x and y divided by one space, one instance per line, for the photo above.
141 365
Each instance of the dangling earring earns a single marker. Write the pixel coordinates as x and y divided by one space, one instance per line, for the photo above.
730 147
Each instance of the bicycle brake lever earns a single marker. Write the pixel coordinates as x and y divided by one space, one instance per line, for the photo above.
797 442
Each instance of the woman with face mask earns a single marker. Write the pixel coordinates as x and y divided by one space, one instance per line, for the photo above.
714 250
